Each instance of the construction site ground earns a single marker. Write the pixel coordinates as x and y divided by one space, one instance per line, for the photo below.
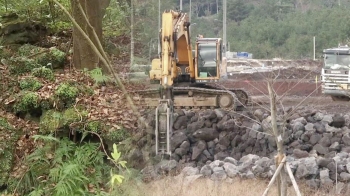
298 82
296 85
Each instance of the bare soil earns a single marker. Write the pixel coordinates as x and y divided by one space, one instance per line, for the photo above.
281 74
288 87
296 86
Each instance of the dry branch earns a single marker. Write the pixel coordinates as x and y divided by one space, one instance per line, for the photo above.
291 176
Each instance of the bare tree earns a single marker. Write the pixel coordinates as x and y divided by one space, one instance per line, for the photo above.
276 129
132 34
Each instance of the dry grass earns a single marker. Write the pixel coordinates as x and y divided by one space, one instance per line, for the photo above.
176 186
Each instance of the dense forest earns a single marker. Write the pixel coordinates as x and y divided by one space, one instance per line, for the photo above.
275 28
266 28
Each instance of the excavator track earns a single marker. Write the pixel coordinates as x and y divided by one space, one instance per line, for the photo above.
199 98
243 96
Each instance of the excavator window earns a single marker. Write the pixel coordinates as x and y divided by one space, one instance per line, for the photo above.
207 60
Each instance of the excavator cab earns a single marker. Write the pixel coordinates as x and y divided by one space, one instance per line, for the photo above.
208 59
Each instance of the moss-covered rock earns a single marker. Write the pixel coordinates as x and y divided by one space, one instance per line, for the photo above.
72 115
22 65
55 58
26 102
67 93
30 84
50 121
5 52
30 57
50 57
94 126
116 135
53 120
44 73
29 50
15 30
48 103
8 138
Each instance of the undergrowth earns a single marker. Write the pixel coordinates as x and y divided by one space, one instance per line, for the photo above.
97 75
61 167
27 101
30 84
43 72
67 93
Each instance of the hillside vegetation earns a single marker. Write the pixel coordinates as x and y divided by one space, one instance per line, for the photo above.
273 28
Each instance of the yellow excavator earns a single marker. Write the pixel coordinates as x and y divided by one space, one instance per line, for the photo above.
187 79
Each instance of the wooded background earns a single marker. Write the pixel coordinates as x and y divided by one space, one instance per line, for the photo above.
266 28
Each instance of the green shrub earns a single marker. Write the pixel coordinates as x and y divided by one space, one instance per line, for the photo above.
5 52
50 121
72 115
8 138
67 93
6 161
44 73
53 120
4 125
58 57
118 135
47 104
28 50
94 126
22 65
52 57
30 84
27 101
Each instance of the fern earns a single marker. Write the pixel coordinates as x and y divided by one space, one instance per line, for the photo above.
37 192
63 168
45 138
72 178
97 75
88 153
64 152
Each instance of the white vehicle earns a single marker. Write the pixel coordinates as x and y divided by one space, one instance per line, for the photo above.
335 73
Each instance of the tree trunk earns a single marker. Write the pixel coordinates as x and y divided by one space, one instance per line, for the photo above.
279 141
132 34
83 55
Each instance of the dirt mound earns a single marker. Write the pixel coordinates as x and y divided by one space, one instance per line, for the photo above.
288 87
282 74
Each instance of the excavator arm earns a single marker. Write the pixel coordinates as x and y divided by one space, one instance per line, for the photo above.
176 61
176 57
